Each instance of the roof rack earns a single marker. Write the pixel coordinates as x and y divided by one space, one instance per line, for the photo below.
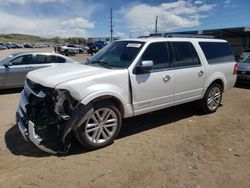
172 35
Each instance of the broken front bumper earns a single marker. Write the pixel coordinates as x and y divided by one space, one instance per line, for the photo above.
28 128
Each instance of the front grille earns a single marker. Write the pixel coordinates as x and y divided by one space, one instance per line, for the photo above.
243 72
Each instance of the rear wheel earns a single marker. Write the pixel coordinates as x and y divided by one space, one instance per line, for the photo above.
66 53
101 128
212 99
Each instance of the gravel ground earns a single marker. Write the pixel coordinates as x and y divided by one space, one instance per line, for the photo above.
176 147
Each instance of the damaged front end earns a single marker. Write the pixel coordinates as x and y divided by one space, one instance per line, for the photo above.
43 115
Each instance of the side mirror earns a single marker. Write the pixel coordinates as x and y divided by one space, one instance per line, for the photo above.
7 65
144 67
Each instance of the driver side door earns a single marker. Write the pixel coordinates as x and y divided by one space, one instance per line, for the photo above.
154 90
16 72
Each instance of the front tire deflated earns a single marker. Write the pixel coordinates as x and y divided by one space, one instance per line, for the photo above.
97 125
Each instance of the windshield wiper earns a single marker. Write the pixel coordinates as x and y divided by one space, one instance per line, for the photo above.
102 63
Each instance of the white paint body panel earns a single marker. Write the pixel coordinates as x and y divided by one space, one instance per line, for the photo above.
138 93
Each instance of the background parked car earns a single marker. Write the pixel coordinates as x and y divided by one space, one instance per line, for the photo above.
244 54
2 47
14 68
28 46
243 75
94 47
68 50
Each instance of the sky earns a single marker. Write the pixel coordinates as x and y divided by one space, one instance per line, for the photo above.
91 18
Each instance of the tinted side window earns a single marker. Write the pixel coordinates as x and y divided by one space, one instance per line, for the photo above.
158 53
22 60
43 59
217 52
185 54
40 59
50 59
59 59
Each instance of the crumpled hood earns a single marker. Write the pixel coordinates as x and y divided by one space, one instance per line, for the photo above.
243 66
52 76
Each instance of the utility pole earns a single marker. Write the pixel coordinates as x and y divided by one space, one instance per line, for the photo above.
156 20
111 25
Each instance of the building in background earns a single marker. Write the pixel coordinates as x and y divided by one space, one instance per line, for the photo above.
107 39
238 37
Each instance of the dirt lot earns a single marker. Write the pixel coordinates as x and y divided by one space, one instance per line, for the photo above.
176 147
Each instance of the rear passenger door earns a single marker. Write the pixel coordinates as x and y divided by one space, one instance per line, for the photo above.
188 71
43 60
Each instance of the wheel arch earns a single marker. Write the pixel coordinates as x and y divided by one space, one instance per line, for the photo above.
220 82
116 100
218 78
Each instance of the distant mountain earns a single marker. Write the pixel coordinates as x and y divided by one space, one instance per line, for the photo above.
23 38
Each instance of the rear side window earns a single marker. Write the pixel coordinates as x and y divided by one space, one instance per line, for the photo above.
43 59
59 59
158 53
185 54
217 52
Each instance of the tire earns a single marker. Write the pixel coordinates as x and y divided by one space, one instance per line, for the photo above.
95 132
66 52
212 99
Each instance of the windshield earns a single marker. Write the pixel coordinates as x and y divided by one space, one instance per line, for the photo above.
246 60
6 59
118 54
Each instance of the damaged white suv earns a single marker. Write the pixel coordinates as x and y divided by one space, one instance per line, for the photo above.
125 79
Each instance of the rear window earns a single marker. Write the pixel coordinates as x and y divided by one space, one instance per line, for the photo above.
217 52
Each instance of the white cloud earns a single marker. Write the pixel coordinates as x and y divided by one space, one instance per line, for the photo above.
47 27
120 34
199 2
174 15
228 4
47 1
23 2
7 2
80 23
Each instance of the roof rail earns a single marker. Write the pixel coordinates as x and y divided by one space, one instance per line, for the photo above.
172 35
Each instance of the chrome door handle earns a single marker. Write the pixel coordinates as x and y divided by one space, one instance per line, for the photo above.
28 67
166 78
200 73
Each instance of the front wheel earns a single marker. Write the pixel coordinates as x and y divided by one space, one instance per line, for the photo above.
212 99
101 128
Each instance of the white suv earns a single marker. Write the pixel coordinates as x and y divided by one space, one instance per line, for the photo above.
124 79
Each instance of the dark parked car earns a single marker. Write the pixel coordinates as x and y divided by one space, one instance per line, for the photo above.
27 46
2 47
244 70
14 68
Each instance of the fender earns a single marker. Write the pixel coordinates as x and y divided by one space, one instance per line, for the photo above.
98 94
212 78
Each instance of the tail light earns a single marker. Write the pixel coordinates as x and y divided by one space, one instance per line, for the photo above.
235 68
